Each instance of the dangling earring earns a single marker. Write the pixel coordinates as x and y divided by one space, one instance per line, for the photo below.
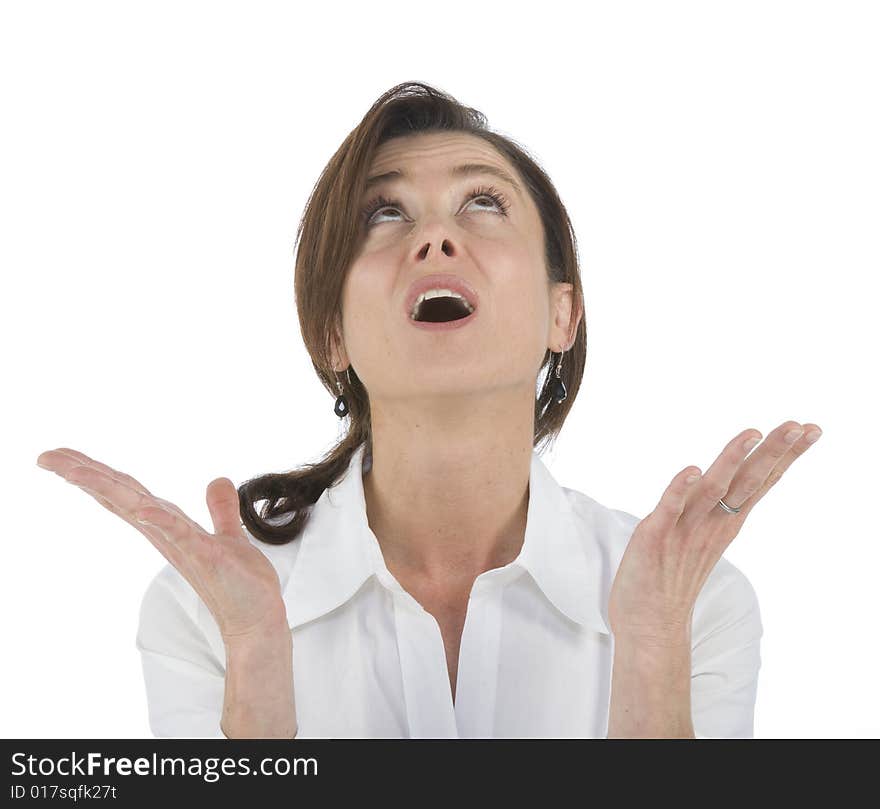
341 408
557 386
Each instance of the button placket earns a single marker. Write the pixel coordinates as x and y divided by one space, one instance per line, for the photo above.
424 673
477 680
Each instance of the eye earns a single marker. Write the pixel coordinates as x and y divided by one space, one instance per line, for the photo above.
380 203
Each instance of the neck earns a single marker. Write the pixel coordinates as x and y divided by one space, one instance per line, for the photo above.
448 491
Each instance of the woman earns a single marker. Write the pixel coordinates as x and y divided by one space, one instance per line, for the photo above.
429 577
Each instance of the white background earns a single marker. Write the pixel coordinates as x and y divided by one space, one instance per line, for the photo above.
720 164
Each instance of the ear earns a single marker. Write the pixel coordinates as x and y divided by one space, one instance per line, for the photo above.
338 353
565 316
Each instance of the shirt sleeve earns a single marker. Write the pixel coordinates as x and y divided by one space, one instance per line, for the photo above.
185 680
726 658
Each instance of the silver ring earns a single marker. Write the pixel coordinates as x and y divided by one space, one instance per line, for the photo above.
728 509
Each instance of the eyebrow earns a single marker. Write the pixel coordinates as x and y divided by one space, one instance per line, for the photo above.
464 170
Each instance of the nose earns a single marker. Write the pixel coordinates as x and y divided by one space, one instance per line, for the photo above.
445 247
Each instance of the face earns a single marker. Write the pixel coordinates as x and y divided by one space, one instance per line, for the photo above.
436 224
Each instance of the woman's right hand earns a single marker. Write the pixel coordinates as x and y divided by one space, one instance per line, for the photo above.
233 578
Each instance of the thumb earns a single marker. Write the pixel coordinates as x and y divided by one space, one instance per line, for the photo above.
222 498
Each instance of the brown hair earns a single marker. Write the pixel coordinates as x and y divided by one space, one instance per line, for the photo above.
328 238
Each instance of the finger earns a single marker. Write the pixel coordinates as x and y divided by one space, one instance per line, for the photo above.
668 511
758 466
176 529
716 480
184 547
223 503
149 531
124 498
64 459
104 502
794 451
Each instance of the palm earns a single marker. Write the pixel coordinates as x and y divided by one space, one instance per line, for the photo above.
673 550
232 577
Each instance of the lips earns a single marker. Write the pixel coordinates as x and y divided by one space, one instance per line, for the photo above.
440 281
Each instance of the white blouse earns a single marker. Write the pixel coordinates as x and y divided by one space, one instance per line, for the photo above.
369 662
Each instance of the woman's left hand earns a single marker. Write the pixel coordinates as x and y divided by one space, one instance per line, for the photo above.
673 550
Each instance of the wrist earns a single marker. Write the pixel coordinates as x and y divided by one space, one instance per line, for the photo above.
266 635
650 690
671 636
259 700
653 642
652 656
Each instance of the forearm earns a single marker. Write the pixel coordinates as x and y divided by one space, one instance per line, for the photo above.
650 691
258 701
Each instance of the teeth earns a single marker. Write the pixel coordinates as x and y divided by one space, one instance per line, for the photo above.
439 293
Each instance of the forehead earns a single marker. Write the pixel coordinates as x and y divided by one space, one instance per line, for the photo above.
428 153
433 145
443 155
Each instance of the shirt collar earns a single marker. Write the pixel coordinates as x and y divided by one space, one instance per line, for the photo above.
339 551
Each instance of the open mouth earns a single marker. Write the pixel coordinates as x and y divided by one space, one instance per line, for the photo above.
441 302
442 309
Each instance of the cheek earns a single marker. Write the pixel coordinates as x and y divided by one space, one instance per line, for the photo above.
521 316
372 276
521 296
367 301
520 325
